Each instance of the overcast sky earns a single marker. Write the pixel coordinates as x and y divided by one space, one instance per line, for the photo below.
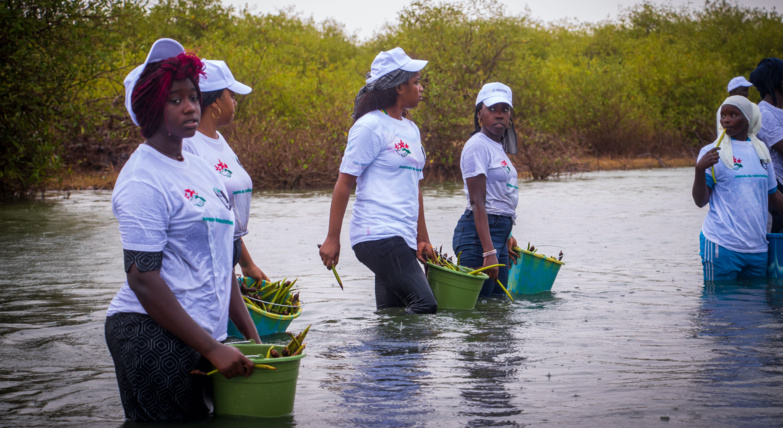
365 17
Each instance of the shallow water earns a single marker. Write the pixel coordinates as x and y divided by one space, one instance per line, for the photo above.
628 336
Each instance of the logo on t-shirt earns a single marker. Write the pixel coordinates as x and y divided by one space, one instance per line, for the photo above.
737 163
402 149
222 197
505 167
193 196
223 169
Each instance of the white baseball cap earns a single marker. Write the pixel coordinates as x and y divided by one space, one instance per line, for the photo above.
219 77
493 93
737 82
160 50
395 59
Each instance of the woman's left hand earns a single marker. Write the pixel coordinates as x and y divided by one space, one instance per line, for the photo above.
254 272
424 251
513 256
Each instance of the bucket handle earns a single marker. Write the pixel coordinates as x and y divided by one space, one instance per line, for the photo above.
276 304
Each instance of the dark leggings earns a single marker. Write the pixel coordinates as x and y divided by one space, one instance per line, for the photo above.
153 371
399 280
777 217
237 251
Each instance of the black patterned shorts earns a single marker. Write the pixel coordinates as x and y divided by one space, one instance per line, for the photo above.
153 371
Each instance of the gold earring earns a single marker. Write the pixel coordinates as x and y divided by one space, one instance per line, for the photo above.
220 112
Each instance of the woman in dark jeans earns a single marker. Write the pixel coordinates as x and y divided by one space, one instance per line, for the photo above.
482 236
384 158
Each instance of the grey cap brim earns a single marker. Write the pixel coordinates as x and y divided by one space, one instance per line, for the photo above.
414 65
240 88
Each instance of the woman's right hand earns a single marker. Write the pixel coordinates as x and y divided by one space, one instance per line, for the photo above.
490 260
709 159
230 361
330 252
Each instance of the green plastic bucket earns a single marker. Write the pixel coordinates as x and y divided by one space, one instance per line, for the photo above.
266 393
266 322
532 274
454 290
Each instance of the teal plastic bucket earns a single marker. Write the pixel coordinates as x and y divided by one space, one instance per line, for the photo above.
266 322
454 290
775 255
532 274
266 393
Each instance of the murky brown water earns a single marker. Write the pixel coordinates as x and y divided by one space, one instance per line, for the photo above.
629 336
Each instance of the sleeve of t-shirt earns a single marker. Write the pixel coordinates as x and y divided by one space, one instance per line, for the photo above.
708 172
475 160
771 128
362 149
143 216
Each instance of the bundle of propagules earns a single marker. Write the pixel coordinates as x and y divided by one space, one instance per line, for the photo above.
443 260
532 249
275 297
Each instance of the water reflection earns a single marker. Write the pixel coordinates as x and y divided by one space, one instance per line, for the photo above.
491 357
744 322
388 359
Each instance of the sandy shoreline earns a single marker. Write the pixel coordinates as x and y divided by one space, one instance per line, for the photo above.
104 180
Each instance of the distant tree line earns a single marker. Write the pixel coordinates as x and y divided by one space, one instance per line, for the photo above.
646 84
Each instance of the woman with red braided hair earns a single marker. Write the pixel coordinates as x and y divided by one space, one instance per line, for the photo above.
176 227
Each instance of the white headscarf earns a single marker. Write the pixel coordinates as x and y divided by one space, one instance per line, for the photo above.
751 112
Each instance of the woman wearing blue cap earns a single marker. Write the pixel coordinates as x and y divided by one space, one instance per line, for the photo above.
482 236
384 158
218 103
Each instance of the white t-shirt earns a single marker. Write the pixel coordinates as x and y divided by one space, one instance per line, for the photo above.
772 132
737 218
225 162
480 156
181 209
387 157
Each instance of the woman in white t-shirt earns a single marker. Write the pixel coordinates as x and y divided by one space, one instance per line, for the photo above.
218 103
176 227
768 79
384 158
735 176
482 236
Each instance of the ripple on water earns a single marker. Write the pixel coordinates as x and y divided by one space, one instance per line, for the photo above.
628 336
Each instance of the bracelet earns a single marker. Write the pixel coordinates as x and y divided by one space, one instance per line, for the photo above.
489 253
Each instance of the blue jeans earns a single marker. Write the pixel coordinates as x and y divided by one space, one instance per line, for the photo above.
467 241
399 280
721 264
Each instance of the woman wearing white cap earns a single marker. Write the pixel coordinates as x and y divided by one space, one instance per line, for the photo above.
218 103
176 227
739 86
384 158
735 176
482 236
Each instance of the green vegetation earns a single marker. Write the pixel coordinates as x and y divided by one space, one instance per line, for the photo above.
646 84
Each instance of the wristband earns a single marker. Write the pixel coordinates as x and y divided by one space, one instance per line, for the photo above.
489 253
